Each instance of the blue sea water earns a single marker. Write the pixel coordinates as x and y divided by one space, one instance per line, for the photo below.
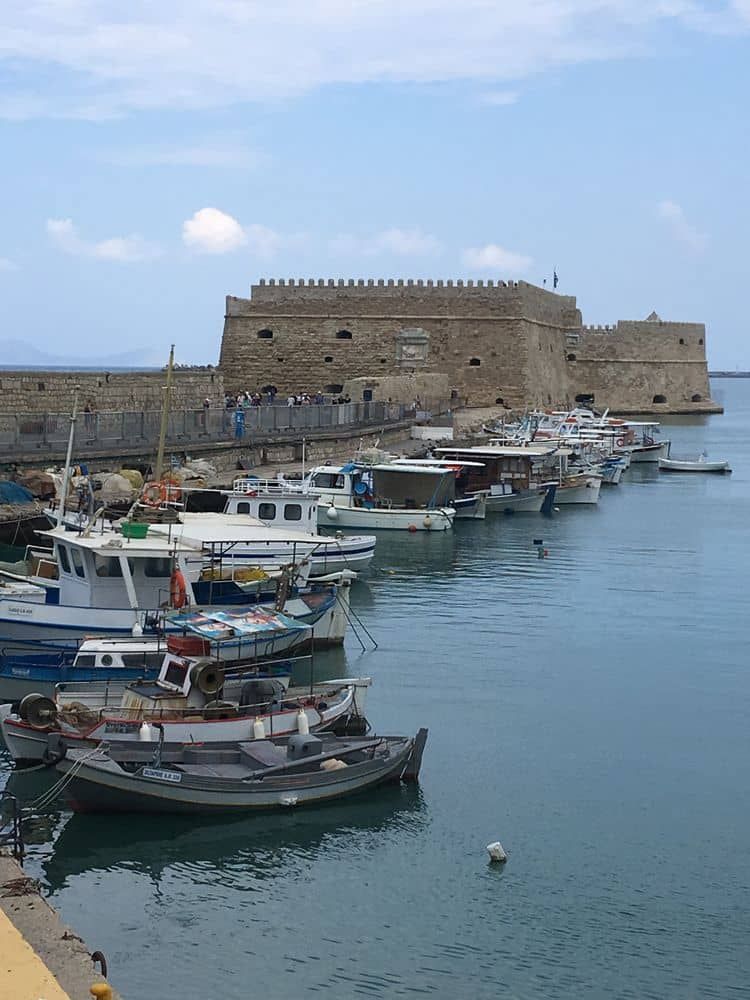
590 710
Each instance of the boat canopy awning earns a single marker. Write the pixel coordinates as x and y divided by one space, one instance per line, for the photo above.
252 624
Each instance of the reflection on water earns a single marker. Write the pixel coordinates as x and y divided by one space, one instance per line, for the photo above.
246 849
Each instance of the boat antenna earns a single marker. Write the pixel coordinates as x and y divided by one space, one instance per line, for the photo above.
68 459
164 417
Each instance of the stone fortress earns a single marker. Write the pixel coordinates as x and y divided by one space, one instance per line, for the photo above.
508 343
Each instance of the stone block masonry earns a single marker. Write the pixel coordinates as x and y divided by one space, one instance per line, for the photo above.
52 391
497 342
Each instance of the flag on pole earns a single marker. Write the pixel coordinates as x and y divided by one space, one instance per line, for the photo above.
554 278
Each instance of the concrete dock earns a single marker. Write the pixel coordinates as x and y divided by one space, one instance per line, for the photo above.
40 957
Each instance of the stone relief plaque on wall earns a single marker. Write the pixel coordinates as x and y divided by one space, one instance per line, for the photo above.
412 347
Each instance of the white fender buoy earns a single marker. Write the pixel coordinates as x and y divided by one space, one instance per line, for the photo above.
496 852
332 513
427 522
145 733
259 729
303 726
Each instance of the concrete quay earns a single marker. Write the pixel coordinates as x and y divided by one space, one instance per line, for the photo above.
41 958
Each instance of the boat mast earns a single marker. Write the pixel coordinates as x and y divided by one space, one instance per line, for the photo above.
68 459
164 417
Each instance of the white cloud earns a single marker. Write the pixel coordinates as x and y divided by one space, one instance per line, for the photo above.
7 265
499 98
126 249
213 231
681 229
400 242
106 58
492 257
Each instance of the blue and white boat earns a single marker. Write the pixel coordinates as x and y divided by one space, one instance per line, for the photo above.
113 585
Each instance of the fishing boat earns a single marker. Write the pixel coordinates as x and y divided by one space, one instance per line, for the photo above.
238 640
195 698
507 476
384 495
699 464
115 584
302 770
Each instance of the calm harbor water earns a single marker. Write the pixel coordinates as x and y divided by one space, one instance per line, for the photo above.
589 710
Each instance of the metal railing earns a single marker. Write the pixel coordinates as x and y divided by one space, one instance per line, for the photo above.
48 432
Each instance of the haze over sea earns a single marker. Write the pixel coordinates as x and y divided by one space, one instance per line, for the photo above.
589 710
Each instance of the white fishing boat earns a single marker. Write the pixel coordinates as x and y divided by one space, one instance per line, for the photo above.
194 699
699 464
112 584
383 496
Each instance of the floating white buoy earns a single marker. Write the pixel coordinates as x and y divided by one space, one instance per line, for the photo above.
496 852
303 726
259 729
332 513
145 733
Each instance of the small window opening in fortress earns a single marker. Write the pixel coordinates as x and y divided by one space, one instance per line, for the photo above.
40 386
700 340
384 361
334 387
328 359
474 362
585 398
658 398
682 340
343 335
265 334
281 360
571 357
499 401
696 397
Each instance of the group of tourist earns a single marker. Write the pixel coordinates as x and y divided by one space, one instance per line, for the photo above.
244 400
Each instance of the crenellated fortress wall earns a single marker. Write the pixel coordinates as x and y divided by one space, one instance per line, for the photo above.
496 340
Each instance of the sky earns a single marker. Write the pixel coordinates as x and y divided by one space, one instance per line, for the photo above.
156 157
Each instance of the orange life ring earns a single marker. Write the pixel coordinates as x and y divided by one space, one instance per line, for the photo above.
152 494
169 491
177 590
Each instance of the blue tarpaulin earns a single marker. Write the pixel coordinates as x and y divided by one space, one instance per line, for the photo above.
13 493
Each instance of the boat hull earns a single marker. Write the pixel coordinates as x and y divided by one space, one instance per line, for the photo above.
583 493
527 502
675 465
101 786
649 452
378 518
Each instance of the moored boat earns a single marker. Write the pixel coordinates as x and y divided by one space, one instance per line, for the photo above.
700 464
263 774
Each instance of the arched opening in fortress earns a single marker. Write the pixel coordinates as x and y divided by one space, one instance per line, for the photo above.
700 340
696 397
343 335
585 398
474 362
328 359
659 398
500 401
682 340
265 334
571 357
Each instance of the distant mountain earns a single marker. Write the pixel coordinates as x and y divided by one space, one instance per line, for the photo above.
20 354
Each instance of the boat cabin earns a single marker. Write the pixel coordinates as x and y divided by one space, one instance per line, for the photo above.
388 485
503 469
275 503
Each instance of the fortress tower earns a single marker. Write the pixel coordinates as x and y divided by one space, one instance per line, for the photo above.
508 341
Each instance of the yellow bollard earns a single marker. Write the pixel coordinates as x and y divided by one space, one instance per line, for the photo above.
102 991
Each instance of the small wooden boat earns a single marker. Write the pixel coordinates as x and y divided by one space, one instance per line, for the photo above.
262 774
700 464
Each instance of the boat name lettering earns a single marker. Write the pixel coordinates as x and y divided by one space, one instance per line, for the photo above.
162 775
19 611
121 727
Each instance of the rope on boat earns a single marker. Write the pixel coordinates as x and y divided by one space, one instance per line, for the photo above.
350 614
46 798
